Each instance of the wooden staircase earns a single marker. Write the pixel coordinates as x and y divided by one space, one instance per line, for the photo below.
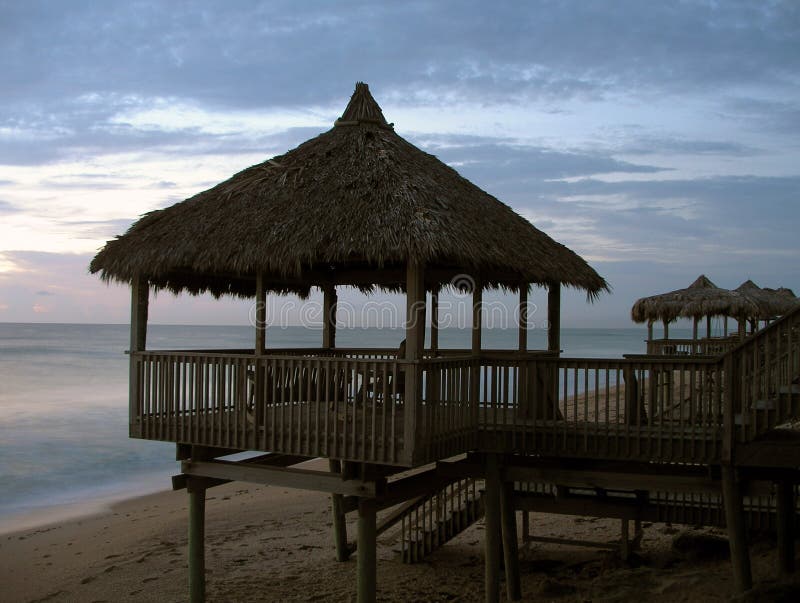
765 379
432 520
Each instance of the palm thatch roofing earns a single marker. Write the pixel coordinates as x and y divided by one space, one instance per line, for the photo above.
770 302
352 206
701 298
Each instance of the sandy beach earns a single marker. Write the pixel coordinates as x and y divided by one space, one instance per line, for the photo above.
275 544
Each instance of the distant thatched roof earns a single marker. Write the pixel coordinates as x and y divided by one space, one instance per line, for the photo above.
351 206
701 298
770 302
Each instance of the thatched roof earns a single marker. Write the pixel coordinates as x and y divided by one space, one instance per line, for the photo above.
770 302
352 206
701 298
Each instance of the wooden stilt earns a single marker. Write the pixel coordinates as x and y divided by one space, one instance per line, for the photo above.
526 528
624 540
197 560
786 531
435 322
522 344
510 548
737 538
367 557
338 518
492 531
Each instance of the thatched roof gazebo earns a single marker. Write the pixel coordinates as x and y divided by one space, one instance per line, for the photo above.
700 299
352 206
357 206
770 302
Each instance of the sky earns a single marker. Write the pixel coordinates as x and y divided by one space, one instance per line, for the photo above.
659 140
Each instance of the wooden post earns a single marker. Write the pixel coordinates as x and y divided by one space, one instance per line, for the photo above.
741 324
475 368
695 347
510 548
737 537
526 528
366 554
786 531
666 329
338 518
415 343
492 530
197 560
554 317
139 306
523 318
329 302
624 540
649 336
261 315
477 317
725 326
435 322
708 326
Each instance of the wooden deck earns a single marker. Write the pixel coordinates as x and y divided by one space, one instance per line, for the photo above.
368 406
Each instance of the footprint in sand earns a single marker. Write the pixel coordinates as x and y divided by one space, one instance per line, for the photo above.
150 579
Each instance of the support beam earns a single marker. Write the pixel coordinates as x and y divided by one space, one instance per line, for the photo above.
510 548
492 530
288 477
477 317
708 327
624 540
666 329
522 344
261 315
786 529
329 301
197 559
554 317
366 553
338 518
140 291
435 322
415 345
737 537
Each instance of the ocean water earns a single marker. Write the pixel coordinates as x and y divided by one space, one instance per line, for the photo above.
64 387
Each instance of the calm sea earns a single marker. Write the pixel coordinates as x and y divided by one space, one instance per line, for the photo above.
63 400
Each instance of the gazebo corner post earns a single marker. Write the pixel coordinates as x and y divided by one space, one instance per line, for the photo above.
329 301
140 298
522 339
435 321
475 369
260 315
554 317
197 559
415 345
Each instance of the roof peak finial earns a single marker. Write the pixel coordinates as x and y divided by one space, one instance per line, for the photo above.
362 108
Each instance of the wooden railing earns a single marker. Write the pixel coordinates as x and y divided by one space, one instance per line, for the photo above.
692 347
650 409
354 404
312 406
765 378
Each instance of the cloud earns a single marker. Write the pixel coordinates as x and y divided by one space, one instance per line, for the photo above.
7 208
